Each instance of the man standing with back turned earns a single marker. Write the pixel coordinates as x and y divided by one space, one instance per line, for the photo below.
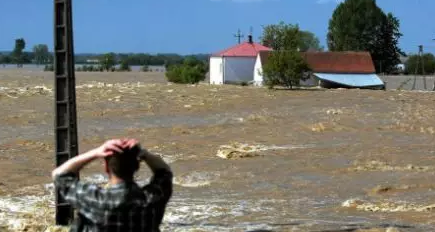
123 205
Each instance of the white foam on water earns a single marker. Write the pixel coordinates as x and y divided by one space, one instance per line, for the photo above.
192 214
14 209
171 158
242 227
196 179
200 211
25 91
23 204
125 85
97 179
386 206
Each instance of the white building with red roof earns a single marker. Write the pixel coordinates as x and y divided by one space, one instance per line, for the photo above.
235 64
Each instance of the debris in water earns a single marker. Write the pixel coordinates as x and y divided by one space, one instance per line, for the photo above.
318 127
383 166
257 118
387 206
392 229
334 111
388 189
239 150
25 91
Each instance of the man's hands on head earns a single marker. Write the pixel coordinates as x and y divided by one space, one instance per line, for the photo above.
153 161
115 146
109 148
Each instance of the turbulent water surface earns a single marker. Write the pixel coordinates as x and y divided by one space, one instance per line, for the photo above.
244 158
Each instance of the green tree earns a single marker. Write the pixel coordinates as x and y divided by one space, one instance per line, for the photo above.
108 61
309 41
17 53
145 68
390 45
285 68
429 64
191 71
360 25
289 37
48 68
124 66
41 54
5 59
281 36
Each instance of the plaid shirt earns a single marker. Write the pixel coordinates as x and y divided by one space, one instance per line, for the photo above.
124 207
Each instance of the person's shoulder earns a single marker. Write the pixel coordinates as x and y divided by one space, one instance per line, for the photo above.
67 177
71 181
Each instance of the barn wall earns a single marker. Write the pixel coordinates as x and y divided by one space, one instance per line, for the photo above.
216 71
258 69
239 69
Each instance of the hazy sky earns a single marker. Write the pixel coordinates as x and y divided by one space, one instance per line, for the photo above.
190 26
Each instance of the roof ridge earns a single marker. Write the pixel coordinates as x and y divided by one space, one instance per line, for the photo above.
243 49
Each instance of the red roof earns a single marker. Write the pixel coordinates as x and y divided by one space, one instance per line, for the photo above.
335 62
245 49
340 62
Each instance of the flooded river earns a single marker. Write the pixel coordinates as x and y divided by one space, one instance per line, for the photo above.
244 158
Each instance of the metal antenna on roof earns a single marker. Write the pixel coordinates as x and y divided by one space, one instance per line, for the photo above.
420 62
250 40
239 36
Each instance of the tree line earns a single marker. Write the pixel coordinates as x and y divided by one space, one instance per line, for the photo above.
41 55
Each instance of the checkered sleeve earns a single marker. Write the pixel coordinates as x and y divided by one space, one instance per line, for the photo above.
160 186
78 194
158 192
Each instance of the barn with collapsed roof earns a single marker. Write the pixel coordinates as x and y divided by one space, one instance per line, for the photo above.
332 70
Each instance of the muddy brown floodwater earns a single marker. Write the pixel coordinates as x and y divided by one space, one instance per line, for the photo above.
245 158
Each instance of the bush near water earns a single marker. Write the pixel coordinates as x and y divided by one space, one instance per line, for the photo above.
191 71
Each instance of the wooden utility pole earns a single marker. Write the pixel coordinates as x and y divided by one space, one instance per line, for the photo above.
65 98
239 36
433 86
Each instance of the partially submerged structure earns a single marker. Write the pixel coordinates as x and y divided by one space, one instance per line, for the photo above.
332 70
235 64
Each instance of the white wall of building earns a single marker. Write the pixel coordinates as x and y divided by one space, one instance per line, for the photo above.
216 71
258 72
238 69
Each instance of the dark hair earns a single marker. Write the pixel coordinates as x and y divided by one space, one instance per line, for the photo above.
125 164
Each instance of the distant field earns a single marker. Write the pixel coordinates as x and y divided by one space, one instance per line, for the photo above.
134 68
157 76
18 77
